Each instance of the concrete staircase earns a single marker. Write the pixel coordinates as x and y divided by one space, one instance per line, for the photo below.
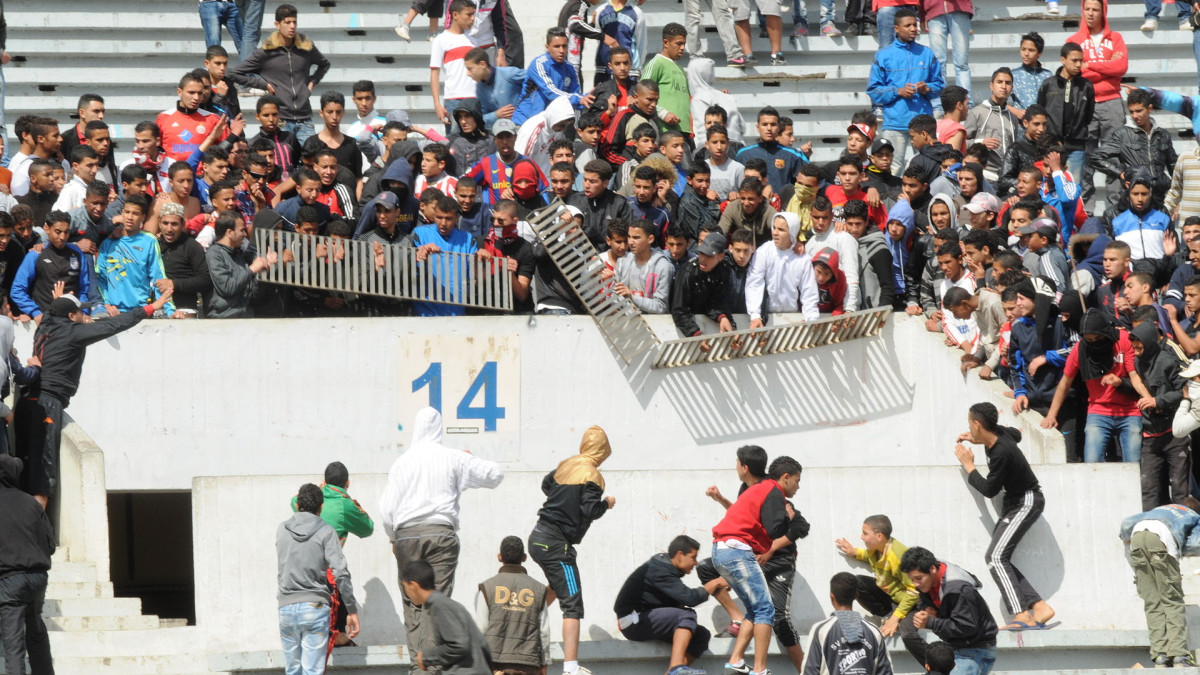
135 54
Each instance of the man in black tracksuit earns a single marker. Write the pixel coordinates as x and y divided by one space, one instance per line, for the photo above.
574 498
26 544
961 617
1008 470
61 343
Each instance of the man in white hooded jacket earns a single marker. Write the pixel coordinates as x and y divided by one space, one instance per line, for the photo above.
420 509
786 276
538 132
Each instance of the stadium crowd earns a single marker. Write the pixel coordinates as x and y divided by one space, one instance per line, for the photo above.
981 218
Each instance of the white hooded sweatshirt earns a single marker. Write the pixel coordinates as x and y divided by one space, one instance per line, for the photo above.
425 482
700 74
537 133
786 276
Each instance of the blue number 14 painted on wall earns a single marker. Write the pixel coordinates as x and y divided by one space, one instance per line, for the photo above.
489 412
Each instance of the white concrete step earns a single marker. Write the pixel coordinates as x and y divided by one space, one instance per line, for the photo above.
128 643
103 623
175 664
93 607
69 590
73 572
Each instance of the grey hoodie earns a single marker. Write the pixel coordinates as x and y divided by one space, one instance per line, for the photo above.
989 120
307 546
650 283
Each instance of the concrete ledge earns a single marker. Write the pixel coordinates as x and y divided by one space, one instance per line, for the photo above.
84 495
1110 651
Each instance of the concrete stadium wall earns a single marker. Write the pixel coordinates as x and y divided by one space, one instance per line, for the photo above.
169 401
1072 555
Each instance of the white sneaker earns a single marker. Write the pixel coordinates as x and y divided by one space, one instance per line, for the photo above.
1149 25
1052 8
581 671
1185 24
402 31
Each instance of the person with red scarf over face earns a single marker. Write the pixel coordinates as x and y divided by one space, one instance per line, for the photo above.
527 186
516 254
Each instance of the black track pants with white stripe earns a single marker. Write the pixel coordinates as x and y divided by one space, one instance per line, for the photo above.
1017 592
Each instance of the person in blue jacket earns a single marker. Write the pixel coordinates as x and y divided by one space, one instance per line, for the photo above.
443 236
34 286
129 268
905 80
548 77
1140 225
498 88
1188 106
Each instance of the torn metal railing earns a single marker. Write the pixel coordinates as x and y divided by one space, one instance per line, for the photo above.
367 268
778 339
619 319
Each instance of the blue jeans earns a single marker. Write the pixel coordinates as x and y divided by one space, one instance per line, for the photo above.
885 23
304 630
974 660
1154 8
800 12
1075 160
1100 428
217 13
303 130
252 18
901 145
956 26
742 572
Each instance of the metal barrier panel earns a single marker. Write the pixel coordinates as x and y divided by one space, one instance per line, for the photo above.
780 339
368 268
619 319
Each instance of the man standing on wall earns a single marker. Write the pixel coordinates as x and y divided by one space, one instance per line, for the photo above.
420 511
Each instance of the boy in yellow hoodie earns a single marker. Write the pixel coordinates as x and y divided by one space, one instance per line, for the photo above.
889 592
574 498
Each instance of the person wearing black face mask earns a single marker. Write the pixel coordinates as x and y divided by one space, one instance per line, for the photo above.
1105 360
1166 460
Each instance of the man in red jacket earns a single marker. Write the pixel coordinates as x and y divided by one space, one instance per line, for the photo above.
756 525
1105 60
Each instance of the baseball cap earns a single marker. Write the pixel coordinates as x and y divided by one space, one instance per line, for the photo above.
504 126
67 304
400 116
862 129
1042 226
880 144
983 202
387 200
714 244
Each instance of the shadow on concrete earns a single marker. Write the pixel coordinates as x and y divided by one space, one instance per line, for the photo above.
380 616
837 385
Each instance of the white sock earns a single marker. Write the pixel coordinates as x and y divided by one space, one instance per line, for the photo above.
738 663
570 666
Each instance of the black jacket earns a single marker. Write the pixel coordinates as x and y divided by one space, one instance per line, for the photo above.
929 160
26 537
694 212
61 345
1070 105
1007 469
570 509
458 647
185 265
964 620
696 292
597 212
657 583
288 69
1019 155
1159 369
1129 147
